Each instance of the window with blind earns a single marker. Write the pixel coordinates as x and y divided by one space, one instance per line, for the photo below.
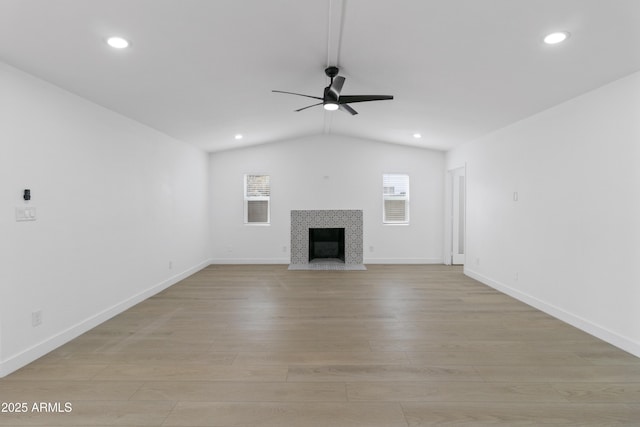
395 199
257 199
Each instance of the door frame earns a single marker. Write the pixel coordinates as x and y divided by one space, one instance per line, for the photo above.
448 254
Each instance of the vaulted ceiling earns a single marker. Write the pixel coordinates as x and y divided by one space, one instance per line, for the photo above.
203 71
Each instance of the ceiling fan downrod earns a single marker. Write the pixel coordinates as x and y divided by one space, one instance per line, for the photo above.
331 72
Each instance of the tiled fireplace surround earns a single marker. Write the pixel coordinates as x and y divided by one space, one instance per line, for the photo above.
302 221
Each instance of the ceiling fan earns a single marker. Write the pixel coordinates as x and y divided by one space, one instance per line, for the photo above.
332 100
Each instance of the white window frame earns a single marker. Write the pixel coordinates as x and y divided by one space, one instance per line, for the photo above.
253 198
398 195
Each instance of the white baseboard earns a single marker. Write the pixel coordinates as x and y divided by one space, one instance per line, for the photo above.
27 356
403 261
285 261
581 323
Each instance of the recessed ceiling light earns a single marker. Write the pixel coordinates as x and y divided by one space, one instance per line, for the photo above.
555 38
417 136
238 136
118 42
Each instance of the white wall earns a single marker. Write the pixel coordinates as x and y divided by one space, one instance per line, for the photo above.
116 203
570 245
327 172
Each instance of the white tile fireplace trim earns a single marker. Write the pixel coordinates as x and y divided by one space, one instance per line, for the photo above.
302 221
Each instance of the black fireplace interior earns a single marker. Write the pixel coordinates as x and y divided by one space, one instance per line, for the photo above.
326 243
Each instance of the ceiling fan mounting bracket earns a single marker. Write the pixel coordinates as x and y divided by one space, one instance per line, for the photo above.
331 72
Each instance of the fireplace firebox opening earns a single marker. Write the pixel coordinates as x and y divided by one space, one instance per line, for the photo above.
326 244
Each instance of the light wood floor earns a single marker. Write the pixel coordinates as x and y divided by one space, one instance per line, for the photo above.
390 346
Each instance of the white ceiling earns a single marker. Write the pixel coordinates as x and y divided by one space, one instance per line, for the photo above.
203 70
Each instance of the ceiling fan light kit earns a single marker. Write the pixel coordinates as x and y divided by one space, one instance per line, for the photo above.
332 99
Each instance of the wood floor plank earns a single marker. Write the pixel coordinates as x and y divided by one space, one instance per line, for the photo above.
95 413
287 414
440 391
449 343
321 358
191 372
493 358
599 392
364 372
39 372
66 390
241 391
556 373
98 358
483 414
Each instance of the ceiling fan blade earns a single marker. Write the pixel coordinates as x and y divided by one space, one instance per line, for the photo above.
336 86
348 109
299 94
344 99
304 108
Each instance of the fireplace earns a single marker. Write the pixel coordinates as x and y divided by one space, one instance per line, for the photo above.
350 236
326 244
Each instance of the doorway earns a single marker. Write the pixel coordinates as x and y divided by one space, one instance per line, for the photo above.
458 214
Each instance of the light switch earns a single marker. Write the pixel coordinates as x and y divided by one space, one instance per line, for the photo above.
26 213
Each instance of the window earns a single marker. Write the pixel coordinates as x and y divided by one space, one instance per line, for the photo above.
395 199
257 199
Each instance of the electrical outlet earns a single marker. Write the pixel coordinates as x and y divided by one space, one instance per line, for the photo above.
170 265
36 318
284 249
371 248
